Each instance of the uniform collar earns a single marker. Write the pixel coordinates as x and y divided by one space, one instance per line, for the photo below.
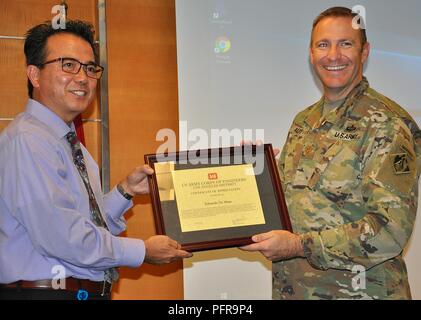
56 125
316 114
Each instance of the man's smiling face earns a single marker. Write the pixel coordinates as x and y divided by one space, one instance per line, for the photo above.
337 55
64 93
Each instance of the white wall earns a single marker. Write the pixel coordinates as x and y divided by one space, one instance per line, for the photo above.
262 82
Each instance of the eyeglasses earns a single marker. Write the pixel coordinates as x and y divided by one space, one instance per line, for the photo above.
73 66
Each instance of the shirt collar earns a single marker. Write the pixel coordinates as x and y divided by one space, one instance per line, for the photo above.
316 113
52 120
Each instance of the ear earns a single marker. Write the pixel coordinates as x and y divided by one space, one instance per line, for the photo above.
33 74
365 53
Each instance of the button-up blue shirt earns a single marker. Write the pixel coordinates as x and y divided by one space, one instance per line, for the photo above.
44 206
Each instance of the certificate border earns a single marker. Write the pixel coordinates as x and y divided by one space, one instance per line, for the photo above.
151 159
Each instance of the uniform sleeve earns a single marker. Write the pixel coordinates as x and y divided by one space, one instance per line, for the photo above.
389 190
281 164
42 203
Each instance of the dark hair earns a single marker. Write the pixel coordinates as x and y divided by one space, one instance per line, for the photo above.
340 12
36 41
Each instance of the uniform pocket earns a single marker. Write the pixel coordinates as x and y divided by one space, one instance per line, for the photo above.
341 173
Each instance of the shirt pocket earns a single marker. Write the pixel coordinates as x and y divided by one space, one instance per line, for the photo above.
314 159
342 173
293 150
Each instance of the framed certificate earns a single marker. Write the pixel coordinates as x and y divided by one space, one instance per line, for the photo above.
217 198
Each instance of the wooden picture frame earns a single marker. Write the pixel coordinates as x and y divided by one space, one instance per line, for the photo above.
164 197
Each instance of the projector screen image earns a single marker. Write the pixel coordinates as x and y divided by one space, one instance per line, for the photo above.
245 63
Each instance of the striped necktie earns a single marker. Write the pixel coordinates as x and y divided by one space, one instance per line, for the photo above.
112 273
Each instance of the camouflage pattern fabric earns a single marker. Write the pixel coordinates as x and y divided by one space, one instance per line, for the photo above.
351 184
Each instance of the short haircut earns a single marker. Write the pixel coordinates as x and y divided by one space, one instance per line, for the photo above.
36 41
340 12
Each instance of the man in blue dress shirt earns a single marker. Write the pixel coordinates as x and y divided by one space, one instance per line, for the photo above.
46 226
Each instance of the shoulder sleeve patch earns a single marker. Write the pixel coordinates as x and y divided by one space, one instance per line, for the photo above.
400 163
399 168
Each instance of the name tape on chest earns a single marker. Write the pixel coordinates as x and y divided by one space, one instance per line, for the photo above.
347 136
349 133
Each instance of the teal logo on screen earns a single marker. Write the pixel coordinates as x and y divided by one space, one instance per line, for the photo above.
222 45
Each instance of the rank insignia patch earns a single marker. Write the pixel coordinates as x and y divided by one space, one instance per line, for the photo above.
350 128
400 163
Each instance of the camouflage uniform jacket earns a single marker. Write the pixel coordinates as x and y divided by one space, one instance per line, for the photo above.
350 180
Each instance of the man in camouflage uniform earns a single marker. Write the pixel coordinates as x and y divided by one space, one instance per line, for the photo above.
349 171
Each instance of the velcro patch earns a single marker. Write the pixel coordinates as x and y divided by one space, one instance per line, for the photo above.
400 163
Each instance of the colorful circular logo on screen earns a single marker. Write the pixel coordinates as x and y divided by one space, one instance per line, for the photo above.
222 45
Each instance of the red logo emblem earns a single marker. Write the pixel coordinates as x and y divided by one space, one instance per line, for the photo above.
213 176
